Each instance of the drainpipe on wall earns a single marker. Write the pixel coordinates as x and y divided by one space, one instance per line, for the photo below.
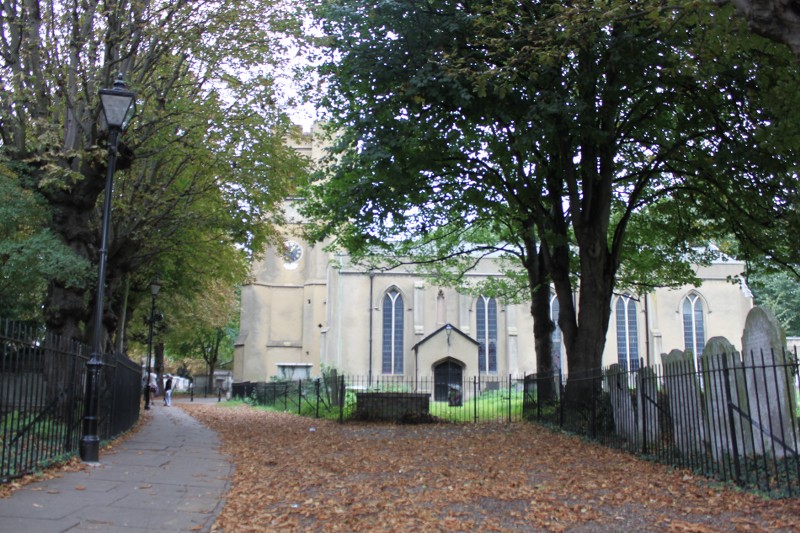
369 307
416 368
339 313
647 328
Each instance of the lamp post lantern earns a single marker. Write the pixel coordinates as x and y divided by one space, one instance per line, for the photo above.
154 288
117 103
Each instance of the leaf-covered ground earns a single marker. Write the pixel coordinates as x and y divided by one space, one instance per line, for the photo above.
299 474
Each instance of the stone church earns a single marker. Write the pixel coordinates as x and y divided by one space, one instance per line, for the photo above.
305 309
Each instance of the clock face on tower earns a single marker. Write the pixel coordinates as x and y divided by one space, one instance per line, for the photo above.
291 254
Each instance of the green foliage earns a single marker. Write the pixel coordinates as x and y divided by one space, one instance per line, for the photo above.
31 255
780 292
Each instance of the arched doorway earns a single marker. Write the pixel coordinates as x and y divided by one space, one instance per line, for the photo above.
447 375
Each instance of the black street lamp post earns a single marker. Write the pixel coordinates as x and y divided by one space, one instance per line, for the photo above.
116 104
154 287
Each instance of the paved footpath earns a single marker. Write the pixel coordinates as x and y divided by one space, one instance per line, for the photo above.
168 476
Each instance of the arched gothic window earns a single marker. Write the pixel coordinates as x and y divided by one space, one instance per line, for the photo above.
694 330
627 333
392 349
486 328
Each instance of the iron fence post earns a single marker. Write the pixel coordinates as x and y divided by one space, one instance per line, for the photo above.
538 397
316 393
509 398
475 397
643 405
562 402
593 412
71 413
731 419
341 399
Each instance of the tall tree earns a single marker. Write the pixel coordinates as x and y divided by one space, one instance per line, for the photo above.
550 125
201 162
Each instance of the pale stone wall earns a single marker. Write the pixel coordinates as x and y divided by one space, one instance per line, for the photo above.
319 311
349 338
325 319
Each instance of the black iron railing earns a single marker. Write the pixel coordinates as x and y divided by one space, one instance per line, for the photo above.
731 420
489 398
42 394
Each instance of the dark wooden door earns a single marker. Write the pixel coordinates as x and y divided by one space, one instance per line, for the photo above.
446 375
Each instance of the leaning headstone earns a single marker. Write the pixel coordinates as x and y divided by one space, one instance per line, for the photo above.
728 420
647 400
683 396
771 394
334 387
621 403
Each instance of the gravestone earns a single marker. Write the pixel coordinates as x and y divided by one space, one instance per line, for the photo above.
647 403
771 394
621 402
726 405
393 406
683 395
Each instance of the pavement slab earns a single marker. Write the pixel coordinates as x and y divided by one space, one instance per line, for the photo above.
169 476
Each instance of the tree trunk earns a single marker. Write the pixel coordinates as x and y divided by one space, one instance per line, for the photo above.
586 345
543 328
67 309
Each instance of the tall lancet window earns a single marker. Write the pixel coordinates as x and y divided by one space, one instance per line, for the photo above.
392 349
486 328
627 333
694 329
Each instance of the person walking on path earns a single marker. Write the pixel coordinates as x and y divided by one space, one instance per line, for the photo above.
168 391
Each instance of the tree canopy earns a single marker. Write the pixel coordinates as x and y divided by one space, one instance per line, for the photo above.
202 165
554 129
